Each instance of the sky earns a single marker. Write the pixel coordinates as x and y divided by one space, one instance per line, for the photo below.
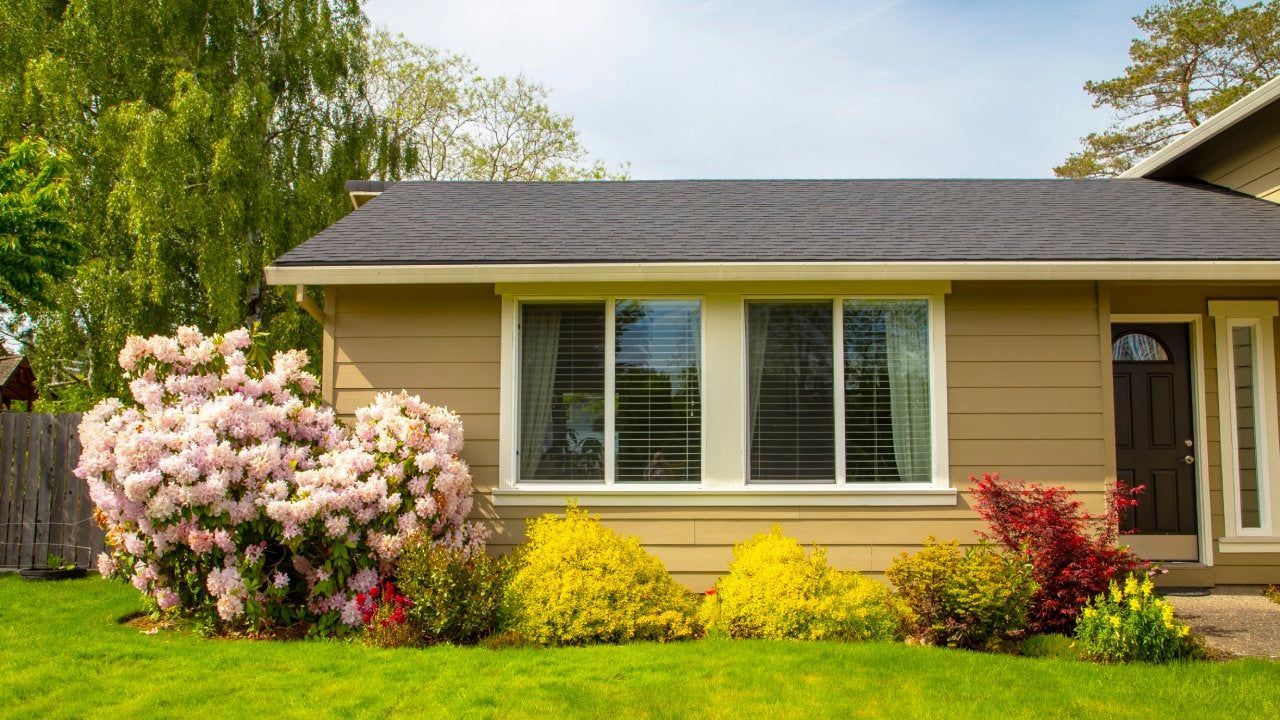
800 89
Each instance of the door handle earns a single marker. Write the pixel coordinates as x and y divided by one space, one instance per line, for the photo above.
1188 460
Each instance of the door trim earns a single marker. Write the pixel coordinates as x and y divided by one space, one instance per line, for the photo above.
1199 416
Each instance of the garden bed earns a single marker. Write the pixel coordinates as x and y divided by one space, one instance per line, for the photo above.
64 653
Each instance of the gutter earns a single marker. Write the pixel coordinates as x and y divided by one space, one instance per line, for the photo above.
1261 270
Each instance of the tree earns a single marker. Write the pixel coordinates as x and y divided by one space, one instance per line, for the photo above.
1196 58
37 248
207 138
437 118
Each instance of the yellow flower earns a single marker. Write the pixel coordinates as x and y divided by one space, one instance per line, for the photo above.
1147 587
1115 621
1134 605
1131 585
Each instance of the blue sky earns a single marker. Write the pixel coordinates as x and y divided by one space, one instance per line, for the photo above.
801 89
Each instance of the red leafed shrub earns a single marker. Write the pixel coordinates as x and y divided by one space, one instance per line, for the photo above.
382 610
1074 554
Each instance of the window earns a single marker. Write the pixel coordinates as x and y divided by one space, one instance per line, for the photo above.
1248 413
1242 351
1138 347
882 412
650 431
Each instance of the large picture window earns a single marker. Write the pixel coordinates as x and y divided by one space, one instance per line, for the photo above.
645 355
871 390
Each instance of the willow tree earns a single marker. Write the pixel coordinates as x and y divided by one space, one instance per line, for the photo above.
204 138
1194 59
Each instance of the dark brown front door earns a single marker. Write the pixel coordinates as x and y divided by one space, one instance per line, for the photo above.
1155 436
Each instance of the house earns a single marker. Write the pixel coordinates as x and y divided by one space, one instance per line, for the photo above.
697 360
17 381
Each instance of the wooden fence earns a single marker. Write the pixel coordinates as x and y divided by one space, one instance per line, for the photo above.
44 508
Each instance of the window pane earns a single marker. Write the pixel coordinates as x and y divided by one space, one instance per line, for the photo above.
1138 347
1246 432
886 391
562 392
791 398
657 382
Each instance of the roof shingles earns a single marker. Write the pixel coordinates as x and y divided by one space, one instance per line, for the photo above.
451 223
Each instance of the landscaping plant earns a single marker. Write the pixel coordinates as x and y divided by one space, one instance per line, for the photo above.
455 595
964 597
228 491
1130 623
775 590
1074 554
577 581
384 612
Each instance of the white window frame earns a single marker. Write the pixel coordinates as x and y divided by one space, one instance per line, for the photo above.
724 462
610 407
938 458
1259 315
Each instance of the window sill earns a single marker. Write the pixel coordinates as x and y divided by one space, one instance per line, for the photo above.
1249 544
697 496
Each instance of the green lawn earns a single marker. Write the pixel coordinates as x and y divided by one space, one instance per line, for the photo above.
63 654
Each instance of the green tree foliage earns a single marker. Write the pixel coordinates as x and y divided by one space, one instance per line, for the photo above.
204 138
1196 58
36 245
439 119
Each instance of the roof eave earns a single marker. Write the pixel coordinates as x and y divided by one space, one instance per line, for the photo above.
1206 131
1198 270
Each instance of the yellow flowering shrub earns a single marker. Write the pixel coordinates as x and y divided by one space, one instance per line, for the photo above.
577 581
971 597
1130 623
775 590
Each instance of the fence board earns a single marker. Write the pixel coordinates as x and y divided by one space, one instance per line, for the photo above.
44 509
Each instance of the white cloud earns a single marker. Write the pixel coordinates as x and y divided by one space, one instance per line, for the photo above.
873 88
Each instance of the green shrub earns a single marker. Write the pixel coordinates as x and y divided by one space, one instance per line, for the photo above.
456 596
971 598
775 590
1131 623
1272 593
577 582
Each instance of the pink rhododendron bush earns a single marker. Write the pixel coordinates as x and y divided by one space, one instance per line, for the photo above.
230 492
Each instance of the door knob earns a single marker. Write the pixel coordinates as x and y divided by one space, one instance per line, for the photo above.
1188 459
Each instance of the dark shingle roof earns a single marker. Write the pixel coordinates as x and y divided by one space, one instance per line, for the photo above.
443 223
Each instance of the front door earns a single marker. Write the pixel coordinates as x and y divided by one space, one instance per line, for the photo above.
1155 437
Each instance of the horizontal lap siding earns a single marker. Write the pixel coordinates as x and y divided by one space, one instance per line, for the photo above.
1229 568
1025 400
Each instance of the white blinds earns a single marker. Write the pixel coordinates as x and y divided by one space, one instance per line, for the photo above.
886 391
793 415
791 399
562 392
657 386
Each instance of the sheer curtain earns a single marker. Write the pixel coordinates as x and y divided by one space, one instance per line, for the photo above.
758 328
539 351
907 351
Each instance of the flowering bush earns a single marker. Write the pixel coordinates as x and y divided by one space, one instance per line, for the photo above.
1130 623
229 491
1272 593
457 595
577 581
1074 554
384 612
775 590
963 598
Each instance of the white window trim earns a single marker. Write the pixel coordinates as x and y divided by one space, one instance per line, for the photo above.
724 474
1259 315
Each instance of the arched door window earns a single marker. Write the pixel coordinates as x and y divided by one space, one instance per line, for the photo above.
1138 347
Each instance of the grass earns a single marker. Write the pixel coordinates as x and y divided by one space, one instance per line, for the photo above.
63 653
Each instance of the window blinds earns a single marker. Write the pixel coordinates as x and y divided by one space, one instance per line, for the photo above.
657 386
886 391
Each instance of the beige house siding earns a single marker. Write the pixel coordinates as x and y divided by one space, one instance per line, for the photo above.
1253 169
1229 568
1026 399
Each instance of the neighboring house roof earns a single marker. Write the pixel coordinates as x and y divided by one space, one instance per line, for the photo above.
719 221
1248 121
17 380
